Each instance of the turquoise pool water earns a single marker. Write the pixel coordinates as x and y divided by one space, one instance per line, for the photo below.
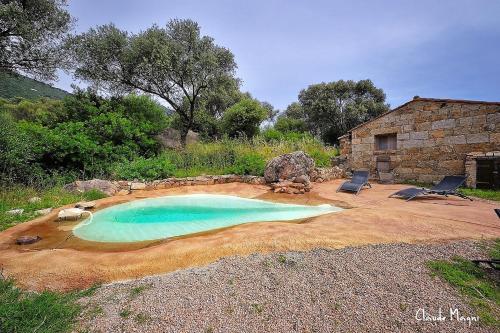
171 216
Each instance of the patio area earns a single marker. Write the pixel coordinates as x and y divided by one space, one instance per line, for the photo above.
62 263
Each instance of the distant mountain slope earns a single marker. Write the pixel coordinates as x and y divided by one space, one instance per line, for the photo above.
14 85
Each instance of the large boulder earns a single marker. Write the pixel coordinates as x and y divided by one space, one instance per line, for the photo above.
105 186
288 167
171 138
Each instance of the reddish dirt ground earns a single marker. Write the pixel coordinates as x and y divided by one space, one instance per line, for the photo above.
63 262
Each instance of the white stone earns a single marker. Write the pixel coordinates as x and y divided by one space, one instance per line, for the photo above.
70 214
17 211
43 211
85 204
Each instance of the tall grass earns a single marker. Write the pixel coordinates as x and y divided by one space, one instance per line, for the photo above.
239 156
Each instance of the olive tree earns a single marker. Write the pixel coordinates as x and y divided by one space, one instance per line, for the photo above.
175 63
31 36
331 109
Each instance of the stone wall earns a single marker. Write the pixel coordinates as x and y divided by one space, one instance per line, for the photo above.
124 186
433 138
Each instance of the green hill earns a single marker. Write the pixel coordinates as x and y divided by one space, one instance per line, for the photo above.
15 85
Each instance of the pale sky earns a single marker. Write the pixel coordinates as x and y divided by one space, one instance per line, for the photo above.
440 49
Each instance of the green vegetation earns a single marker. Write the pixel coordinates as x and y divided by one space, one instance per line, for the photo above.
46 312
481 193
81 136
477 284
125 313
238 156
18 86
136 291
175 62
243 119
18 196
31 36
329 110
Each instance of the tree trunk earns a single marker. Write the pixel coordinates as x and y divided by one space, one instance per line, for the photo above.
184 131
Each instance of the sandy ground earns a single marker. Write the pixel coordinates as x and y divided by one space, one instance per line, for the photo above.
376 288
60 264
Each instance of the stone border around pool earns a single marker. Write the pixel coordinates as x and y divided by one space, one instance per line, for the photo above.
124 186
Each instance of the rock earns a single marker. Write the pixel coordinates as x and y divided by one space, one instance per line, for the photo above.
280 184
17 211
25 240
105 186
43 211
34 200
85 205
137 186
171 138
297 186
320 175
70 214
303 179
288 166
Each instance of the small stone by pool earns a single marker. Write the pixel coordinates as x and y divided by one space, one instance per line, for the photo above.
172 216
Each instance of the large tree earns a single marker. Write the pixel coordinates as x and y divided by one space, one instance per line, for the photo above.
175 63
31 34
331 109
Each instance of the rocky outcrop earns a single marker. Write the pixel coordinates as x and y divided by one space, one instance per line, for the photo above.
288 167
105 186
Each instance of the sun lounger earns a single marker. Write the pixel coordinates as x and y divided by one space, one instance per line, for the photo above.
447 186
358 181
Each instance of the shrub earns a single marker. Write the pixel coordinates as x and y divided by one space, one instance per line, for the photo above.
144 168
249 164
243 118
83 135
287 124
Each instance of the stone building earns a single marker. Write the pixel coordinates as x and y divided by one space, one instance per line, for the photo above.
426 139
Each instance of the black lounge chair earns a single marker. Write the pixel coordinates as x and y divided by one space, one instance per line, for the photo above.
447 186
358 181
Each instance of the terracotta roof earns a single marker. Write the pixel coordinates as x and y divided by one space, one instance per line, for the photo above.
422 99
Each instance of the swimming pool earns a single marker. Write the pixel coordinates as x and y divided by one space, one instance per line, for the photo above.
170 216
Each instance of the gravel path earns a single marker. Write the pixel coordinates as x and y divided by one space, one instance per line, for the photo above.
365 289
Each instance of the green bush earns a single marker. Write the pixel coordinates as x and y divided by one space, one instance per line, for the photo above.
81 136
243 118
287 124
249 164
144 168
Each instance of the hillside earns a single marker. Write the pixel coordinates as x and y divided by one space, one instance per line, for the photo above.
14 85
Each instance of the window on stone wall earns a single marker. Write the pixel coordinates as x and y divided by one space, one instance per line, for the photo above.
386 141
